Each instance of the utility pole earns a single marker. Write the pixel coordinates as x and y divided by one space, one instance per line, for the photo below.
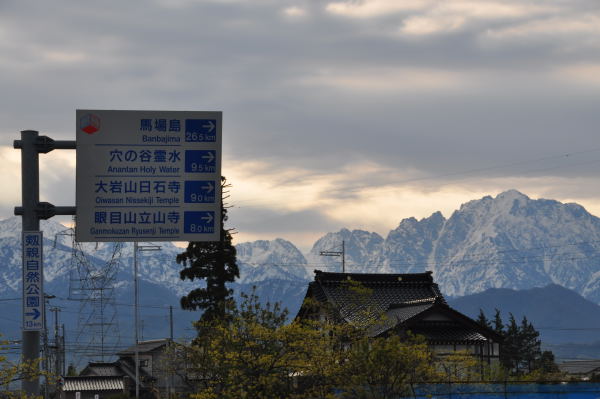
57 342
32 211
171 322
46 351
136 311
170 374
63 356
341 253
136 318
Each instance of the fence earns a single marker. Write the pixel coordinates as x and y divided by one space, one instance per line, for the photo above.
512 390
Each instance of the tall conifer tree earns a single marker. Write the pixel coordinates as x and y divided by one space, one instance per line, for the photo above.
215 263
498 325
482 320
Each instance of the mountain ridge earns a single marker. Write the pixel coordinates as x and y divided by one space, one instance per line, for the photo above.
507 241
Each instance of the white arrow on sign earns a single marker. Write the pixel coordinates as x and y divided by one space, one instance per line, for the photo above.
210 126
208 188
208 218
210 156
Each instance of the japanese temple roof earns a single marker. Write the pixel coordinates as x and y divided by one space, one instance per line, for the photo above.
402 299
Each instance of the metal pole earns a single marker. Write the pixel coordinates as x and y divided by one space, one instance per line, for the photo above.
57 343
170 375
171 322
136 318
137 248
30 195
343 256
63 356
46 354
102 324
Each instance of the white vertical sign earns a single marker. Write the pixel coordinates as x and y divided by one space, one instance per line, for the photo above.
33 281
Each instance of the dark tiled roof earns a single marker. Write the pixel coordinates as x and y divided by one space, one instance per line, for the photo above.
447 332
404 299
404 313
103 369
384 292
144 347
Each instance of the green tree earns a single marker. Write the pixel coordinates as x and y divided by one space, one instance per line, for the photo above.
546 364
482 320
12 372
253 354
386 367
460 366
511 356
247 355
521 353
529 345
498 324
215 263
71 370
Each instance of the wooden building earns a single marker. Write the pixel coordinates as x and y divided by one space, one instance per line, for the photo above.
407 302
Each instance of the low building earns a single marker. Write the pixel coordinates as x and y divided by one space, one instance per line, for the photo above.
92 387
581 369
100 379
407 302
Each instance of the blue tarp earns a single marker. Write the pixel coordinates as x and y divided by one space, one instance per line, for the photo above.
509 391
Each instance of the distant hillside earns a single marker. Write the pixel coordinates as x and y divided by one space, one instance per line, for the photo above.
498 244
559 314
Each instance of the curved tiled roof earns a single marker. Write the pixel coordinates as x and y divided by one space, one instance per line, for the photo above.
448 333
384 292
96 383
402 299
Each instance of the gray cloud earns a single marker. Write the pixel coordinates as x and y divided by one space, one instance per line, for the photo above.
280 223
320 91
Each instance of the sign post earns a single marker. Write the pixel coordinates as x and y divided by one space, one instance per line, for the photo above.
32 210
141 176
148 175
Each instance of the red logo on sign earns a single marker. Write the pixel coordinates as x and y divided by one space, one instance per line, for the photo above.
89 123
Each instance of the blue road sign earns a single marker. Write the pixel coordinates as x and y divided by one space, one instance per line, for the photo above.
200 161
199 222
199 192
200 130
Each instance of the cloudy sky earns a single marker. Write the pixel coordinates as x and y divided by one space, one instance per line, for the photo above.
337 113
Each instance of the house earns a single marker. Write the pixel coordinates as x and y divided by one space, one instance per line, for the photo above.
152 361
92 387
581 369
410 302
100 379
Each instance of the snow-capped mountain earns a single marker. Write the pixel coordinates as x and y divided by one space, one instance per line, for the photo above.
361 249
277 259
509 241
512 241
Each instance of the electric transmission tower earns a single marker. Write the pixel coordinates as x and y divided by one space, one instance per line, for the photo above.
92 282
